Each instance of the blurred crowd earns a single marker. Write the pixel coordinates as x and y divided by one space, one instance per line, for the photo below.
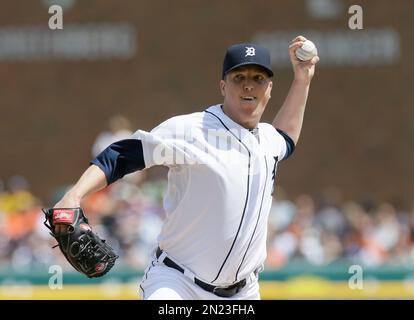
129 214
324 229
318 229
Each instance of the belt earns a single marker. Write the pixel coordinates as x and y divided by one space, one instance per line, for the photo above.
217 290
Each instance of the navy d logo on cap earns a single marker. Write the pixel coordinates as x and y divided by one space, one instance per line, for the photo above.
246 54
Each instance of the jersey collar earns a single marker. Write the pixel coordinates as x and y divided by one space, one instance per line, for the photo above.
239 131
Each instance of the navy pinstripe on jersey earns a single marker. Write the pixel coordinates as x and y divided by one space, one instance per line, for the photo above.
247 194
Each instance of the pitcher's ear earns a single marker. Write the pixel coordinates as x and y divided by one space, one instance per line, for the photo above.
222 87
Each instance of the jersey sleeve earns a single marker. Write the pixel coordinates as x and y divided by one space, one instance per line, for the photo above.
167 144
280 140
120 158
288 145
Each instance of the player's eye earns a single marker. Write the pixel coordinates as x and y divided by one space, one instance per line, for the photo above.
238 78
259 78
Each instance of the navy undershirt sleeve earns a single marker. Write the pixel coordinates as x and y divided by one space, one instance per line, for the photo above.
120 158
290 145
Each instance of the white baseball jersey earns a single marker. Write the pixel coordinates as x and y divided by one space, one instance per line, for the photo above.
220 185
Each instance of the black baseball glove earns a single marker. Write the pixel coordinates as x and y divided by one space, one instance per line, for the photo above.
84 250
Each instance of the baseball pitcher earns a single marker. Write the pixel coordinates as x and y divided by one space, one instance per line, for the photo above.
222 165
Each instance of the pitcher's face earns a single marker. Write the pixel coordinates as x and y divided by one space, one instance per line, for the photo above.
246 91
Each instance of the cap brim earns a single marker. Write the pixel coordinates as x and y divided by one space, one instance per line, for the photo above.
268 71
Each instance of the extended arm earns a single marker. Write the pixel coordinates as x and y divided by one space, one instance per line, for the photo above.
290 116
119 159
92 180
83 249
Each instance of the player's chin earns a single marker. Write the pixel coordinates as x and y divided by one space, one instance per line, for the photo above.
249 104
252 107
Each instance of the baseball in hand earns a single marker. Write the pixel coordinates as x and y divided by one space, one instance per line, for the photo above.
307 51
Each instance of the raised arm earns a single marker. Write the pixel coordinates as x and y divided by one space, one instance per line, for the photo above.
290 116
